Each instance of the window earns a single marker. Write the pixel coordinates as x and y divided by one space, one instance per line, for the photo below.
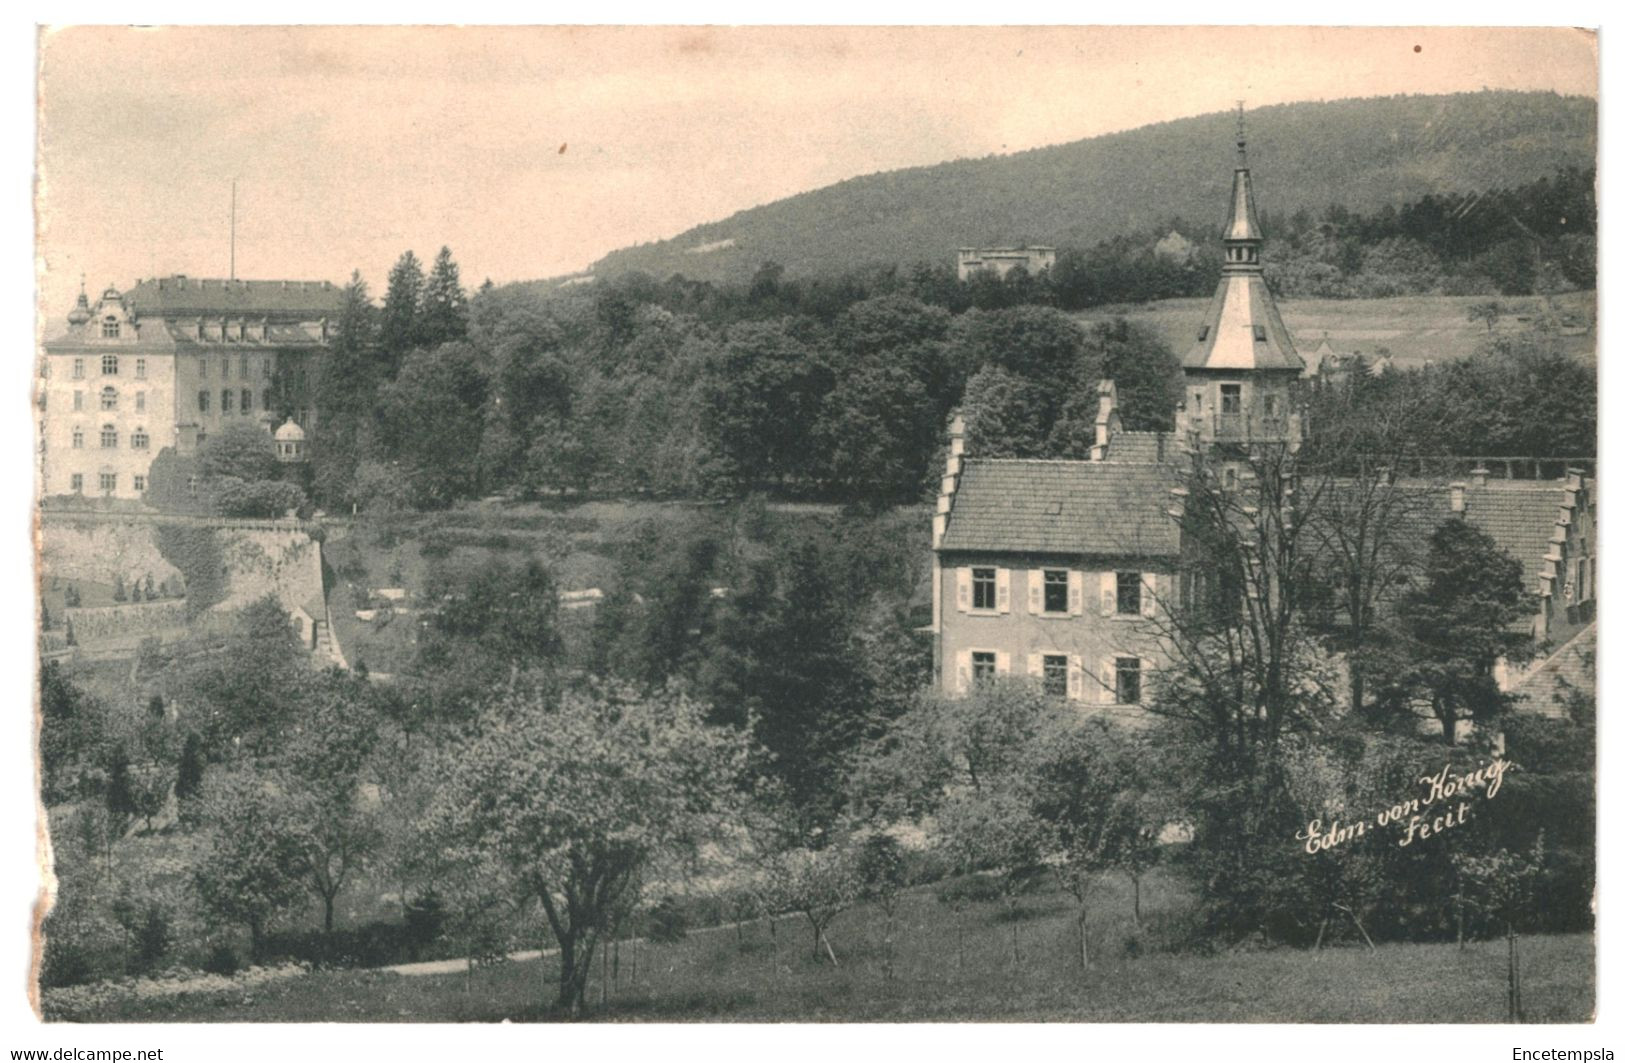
141 369
78 400
225 400
109 365
202 367
1055 675
248 400
78 369
109 399
140 401
191 486
265 368
1258 333
77 483
140 483
242 367
1128 594
1201 334
1230 399
138 439
1270 406
109 482
1128 680
984 588
109 437
1055 588
110 328
78 438
203 402
265 399
45 368
984 665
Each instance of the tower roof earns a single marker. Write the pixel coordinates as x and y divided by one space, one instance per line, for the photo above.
1243 224
1242 328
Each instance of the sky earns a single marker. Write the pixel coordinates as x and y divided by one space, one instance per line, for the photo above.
532 152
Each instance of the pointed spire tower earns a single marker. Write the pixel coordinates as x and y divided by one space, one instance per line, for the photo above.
81 310
1241 372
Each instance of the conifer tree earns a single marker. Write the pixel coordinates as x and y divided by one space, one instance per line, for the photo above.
401 327
445 304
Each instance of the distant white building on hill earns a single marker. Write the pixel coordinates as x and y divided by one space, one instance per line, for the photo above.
1002 260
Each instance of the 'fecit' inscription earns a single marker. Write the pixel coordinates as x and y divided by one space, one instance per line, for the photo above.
1446 802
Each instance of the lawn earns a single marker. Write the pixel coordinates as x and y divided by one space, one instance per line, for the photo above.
1413 328
949 967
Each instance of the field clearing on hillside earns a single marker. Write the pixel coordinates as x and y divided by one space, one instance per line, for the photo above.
951 967
1413 328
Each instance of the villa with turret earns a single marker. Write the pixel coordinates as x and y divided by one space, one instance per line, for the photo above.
1063 571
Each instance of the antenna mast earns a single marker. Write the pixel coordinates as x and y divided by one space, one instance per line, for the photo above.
1241 132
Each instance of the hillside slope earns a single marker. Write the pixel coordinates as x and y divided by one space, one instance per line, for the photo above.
1363 154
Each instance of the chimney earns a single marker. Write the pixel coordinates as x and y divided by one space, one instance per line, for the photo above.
1107 420
950 479
1458 497
1480 475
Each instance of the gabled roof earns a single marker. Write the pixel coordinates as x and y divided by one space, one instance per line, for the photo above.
1106 508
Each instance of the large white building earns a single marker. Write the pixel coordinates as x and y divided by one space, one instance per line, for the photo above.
168 362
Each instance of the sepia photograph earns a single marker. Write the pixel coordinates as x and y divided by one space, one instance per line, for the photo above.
813 524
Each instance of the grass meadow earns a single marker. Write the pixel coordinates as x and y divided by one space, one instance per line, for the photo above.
1412 328
948 966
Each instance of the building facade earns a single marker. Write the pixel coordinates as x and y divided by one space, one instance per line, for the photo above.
168 362
1002 260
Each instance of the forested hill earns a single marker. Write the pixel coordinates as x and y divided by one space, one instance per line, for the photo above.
1362 154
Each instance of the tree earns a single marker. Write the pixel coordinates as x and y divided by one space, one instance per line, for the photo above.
818 883
996 830
1489 312
189 774
1006 414
429 417
247 873
882 874
760 396
247 690
238 451
334 830
400 326
577 797
1463 618
877 432
444 317
347 381
1094 786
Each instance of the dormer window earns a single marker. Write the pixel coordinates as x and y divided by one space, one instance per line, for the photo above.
1258 333
1201 334
109 365
110 327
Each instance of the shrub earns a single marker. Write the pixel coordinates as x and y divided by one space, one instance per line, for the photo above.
667 923
222 959
152 939
425 922
969 889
